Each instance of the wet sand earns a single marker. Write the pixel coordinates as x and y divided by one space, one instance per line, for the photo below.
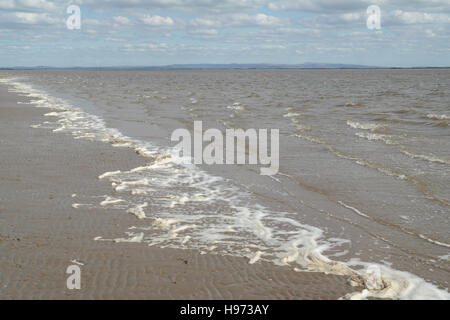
41 233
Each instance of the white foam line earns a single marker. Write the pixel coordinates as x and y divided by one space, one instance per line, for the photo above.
134 238
430 158
409 232
353 209
363 126
138 211
255 257
438 116
110 200
397 285
76 262
434 241
445 257
109 174
78 205
186 239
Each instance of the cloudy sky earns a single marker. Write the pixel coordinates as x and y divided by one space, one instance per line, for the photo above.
160 32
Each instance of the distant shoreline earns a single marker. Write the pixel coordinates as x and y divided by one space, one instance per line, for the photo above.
306 66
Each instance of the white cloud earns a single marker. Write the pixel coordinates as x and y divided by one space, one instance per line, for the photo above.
202 22
37 4
93 22
260 19
121 20
240 20
42 5
210 6
161 47
300 31
34 18
265 20
420 17
350 17
114 39
157 21
19 47
271 46
320 6
430 33
204 31
340 6
7 4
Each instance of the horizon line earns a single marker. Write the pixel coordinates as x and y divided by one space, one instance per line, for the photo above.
306 65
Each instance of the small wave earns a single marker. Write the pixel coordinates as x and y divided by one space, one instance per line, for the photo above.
353 209
111 200
138 211
310 138
387 171
292 115
443 124
445 257
430 158
389 141
354 104
296 120
357 160
302 128
395 120
438 116
439 243
237 106
405 111
376 137
365 126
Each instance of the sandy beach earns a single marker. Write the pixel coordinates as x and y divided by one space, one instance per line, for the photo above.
42 174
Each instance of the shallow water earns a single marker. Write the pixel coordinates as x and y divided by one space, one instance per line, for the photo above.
364 162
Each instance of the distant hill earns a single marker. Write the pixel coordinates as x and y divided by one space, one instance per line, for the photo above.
309 65
232 66
266 66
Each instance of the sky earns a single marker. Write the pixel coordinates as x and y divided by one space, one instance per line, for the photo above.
163 32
